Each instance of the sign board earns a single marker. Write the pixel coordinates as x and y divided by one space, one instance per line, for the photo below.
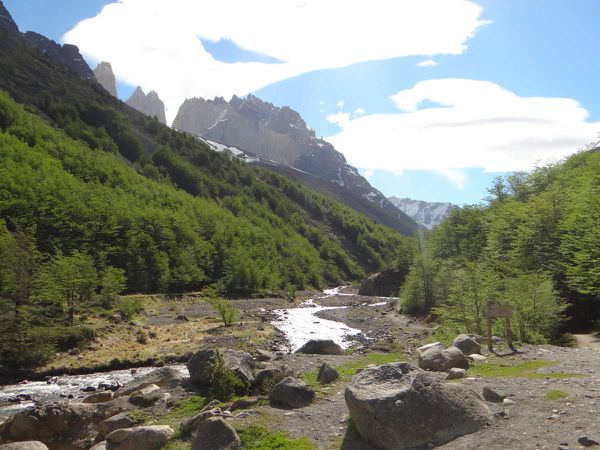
498 310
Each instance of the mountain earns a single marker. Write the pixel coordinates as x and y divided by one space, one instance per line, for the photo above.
105 76
150 104
83 171
281 136
428 214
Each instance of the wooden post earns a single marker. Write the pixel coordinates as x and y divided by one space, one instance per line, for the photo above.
508 331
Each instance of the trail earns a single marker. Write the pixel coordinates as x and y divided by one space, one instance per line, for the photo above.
590 341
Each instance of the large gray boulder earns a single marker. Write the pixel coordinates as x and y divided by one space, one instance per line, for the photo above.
116 422
25 445
291 393
327 374
200 365
139 438
440 360
267 378
397 406
467 344
55 424
215 434
321 347
162 377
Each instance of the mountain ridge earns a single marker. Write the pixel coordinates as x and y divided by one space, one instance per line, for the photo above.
427 214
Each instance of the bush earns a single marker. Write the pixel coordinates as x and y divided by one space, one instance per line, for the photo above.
224 383
128 307
226 311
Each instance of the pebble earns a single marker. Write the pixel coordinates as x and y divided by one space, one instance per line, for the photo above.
586 441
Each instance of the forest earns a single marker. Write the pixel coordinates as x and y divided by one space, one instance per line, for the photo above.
535 244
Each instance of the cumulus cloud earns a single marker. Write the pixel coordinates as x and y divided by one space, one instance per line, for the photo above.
464 124
427 63
158 43
359 112
368 173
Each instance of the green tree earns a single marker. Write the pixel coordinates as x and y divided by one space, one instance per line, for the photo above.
113 282
227 312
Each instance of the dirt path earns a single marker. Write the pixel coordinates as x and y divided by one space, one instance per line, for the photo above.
591 340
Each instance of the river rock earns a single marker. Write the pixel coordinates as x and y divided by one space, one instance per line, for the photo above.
190 425
146 396
215 434
291 393
163 377
327 374
434 345
456 373
55 424
266 379
25 445
443 360
493 395
321 347
397 406
466 344
99 446
200 365
99 397
139 438
116 422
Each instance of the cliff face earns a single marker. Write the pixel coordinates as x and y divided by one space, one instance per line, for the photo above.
282 136
105 76
6 21
150 104
424 213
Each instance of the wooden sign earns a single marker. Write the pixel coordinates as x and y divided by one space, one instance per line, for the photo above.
499 310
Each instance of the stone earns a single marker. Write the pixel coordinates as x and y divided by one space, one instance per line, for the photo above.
327 374
244 402
397 406
146 396
321 347
443 360
105 76
116 422
54 424
99 397
24 445
291 393
100 446
200 365
493 395
139 438
189 425
162 377
150 104
434 345
586 441
266 379
382 284
74 351
263 355
466 344
456 373
476 357
215 434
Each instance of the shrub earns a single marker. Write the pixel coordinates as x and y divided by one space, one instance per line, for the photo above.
226 311
128 307
224 383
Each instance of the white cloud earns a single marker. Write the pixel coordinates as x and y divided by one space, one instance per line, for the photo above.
477 124
427 63
156 43
368 174
358 112
340 104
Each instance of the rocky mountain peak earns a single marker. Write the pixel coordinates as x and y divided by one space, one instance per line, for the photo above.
150 104
6 20
105 76
279 134
428 214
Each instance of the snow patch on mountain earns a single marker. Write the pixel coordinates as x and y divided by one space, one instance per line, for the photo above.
428 214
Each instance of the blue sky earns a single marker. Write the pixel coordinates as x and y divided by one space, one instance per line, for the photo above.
527 57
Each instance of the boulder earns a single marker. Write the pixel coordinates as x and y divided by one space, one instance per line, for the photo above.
163 377
466 344
190 425
291 393
327 374
139 438
321 347
146 396
215 434
266 379
476 357
493 395
382 284
200 365
455 374
99 397
245 402
434 345
443 360
116 422
263 355
24 445
396 406
99 446
53 424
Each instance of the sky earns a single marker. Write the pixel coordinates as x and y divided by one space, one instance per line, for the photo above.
429 99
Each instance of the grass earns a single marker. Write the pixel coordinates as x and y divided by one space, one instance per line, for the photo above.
182 410
259 438
556 394
528 369
349 369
